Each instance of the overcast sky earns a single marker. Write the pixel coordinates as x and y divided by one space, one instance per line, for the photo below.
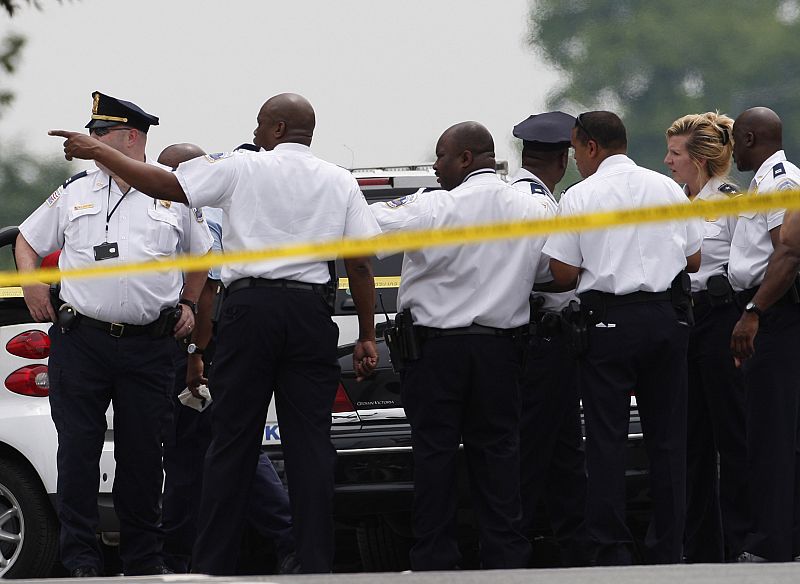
386 78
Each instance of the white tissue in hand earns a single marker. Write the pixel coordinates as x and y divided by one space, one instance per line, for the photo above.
188 399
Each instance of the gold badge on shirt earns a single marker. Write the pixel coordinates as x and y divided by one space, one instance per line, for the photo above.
165 204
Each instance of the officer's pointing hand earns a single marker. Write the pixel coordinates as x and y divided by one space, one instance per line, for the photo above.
76 145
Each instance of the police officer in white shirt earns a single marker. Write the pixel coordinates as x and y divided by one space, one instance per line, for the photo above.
275 332
551 441
699 148
763 271
468 304
119 346
635 340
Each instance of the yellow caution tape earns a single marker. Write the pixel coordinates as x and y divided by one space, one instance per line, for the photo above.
411 240
380 282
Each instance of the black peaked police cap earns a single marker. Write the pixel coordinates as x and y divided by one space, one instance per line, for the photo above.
548 131
109 111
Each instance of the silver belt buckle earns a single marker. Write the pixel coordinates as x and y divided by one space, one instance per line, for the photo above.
117 329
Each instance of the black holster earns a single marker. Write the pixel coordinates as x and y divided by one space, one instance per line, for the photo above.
719 290
67 318
166 321
574 322
403 341
680 293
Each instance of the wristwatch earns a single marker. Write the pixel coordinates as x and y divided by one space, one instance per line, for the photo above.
190 304
193 349
753 308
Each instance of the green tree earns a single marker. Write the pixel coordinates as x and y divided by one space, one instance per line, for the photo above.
26 180
653 62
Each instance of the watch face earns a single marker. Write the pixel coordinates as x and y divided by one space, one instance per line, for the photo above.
191 348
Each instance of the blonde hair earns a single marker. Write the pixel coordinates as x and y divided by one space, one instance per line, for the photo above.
710 138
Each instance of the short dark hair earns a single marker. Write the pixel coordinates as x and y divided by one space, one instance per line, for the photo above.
605 128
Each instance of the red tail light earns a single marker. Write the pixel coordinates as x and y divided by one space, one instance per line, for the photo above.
342 403
30 380
373 182
30 345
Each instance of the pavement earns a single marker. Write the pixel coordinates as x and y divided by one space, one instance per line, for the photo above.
685 574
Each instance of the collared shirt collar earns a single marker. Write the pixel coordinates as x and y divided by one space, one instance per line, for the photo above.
766 167
294 147
709 189
480 171
614 161
525 174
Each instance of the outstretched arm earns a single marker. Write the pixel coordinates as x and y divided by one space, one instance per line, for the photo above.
145 178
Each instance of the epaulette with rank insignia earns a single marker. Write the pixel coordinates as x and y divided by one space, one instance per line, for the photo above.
74 178
537 188
778 170
728 189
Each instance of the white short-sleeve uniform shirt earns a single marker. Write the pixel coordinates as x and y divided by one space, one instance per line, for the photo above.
717 235
751 247
457 286
630 258
74 219
280 197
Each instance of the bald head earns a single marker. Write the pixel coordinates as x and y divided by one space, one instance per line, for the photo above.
173 155
757 135
286 117
462 149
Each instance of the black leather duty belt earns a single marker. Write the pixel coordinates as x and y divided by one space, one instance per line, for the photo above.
118 329
427 332
593 298
245 283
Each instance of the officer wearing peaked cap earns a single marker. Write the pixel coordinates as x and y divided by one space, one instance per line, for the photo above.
551 441
275 332
114 339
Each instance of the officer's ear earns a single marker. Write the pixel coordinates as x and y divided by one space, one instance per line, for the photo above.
280 130
749 139
466 159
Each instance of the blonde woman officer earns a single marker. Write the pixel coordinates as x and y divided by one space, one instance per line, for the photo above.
699 148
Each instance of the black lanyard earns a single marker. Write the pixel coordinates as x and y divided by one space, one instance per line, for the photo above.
108 204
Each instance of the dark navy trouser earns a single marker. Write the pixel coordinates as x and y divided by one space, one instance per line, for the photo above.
637 347
717 508
184 452
283 341
553 466
466 388
772 378
90 369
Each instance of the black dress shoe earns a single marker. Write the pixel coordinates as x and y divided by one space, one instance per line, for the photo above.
84 572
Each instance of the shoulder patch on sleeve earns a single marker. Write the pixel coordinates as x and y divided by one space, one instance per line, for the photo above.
74 178
198 214
400 201
787 185
218 156
51 200
726 188
778 170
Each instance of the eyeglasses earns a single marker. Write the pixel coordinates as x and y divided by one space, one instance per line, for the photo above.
104 131
580 124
